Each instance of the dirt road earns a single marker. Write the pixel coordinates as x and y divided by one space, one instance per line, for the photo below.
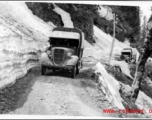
58 94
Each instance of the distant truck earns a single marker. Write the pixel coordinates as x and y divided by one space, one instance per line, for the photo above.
128 56
65 51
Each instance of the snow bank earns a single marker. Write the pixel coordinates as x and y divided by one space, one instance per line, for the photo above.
22 36
109 86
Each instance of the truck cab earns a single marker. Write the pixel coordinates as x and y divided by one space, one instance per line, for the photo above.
127 55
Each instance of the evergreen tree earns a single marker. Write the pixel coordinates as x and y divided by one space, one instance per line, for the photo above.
136 86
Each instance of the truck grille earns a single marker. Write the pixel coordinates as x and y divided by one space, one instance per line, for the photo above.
58 56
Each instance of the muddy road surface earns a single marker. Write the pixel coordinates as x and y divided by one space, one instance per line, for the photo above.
57 94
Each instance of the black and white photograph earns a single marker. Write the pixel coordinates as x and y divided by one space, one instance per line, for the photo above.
75 59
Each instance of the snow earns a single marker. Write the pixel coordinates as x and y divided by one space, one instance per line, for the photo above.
66 18
109 85
123 65
23 33
100 51
103 43
63 34
20 34
144 102
14 11
90 50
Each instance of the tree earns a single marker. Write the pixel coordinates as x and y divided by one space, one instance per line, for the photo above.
144 30
129 17
82 15
141 66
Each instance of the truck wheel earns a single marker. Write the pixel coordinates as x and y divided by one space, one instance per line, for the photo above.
43 70
73 72
53 70
82 64
77 70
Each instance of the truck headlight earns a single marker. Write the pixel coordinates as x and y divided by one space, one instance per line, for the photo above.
49 52
69 54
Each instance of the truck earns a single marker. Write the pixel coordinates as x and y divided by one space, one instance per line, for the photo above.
65 51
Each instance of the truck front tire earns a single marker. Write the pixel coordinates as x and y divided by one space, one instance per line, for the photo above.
77 70
73 72
43 70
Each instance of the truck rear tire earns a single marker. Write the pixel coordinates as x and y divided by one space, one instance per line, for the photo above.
43 70
53 70
77 70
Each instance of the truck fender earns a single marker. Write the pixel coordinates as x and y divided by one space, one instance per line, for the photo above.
44 57
73 60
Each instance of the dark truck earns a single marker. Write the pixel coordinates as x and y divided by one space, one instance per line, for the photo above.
65 51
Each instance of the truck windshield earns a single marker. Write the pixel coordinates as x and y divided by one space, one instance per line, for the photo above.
126 53
64 42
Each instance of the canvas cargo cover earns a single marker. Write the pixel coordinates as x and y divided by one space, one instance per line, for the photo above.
63 34
70 35
124 50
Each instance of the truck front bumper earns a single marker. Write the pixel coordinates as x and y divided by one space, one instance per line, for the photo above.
50 66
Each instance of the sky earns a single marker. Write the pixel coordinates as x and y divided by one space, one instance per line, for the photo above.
146 11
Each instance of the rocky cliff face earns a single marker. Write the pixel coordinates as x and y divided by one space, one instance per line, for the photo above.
22 37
